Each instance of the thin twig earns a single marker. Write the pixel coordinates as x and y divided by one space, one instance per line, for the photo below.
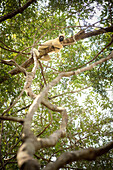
94 57
68 93
42 72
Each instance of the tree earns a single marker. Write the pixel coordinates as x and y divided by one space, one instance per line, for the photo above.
57 112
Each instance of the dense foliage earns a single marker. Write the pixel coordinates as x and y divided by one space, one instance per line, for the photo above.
87 97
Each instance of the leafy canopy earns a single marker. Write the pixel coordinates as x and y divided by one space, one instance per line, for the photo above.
90 111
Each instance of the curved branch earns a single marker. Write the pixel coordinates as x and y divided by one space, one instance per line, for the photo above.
83 154
19 10
78 71
94 57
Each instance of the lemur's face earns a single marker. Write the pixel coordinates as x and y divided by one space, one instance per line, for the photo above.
61 38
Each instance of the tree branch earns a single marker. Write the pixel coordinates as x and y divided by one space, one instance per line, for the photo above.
15 119
95 56
19 10
78 37
21 93
68 93
31 143
78 71
83 154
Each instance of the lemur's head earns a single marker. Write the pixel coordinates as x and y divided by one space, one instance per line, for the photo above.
61 37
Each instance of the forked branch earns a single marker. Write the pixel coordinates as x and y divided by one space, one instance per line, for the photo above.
31 143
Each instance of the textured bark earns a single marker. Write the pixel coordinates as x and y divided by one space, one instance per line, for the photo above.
83 154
